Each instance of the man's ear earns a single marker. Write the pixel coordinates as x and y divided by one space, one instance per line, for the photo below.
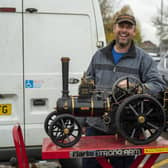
135 30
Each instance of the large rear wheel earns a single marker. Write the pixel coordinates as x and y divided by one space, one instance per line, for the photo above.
140 119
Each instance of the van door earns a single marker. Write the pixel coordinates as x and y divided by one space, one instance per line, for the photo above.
53 29
11 69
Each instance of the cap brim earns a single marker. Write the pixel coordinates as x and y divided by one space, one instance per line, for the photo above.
126 20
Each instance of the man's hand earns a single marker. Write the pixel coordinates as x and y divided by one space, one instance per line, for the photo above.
124 84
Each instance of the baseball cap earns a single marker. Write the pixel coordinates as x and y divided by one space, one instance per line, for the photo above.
126 18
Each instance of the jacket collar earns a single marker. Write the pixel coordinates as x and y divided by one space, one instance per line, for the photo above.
130 54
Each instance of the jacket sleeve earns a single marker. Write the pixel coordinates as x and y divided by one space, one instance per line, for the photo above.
150 75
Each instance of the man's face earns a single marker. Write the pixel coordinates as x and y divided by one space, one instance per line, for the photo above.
124 33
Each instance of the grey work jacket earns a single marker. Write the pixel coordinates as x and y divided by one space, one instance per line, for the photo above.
135 62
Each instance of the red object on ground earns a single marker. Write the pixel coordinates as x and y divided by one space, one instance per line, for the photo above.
20 147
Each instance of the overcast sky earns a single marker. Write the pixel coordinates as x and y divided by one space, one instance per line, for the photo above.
144 10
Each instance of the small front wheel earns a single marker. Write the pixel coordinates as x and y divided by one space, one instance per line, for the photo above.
49 119
65 130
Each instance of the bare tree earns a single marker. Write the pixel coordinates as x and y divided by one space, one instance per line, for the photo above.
107 10
161 23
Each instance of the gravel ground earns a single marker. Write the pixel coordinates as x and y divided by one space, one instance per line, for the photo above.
40 164
64 163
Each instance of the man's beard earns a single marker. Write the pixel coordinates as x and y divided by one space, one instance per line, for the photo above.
123 44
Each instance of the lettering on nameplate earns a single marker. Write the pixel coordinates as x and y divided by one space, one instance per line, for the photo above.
105 153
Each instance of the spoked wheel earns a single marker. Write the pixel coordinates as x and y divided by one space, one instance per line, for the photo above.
49 119
125 87
65 130
140 119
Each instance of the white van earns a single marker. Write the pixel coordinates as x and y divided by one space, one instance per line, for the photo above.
34 35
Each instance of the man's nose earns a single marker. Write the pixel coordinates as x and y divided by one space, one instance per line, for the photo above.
124 29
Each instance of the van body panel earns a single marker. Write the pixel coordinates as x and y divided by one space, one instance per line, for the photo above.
57 6
36 135
6 138
11 74
99 23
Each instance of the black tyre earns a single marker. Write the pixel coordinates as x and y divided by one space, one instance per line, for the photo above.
140 119
49 119
65 131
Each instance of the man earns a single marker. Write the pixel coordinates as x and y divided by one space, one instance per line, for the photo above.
120 58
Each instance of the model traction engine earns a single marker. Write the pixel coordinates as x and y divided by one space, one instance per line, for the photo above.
138 117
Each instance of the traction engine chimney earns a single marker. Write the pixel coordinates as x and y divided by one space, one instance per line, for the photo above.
65 76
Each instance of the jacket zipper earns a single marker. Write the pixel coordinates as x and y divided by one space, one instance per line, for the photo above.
114 69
